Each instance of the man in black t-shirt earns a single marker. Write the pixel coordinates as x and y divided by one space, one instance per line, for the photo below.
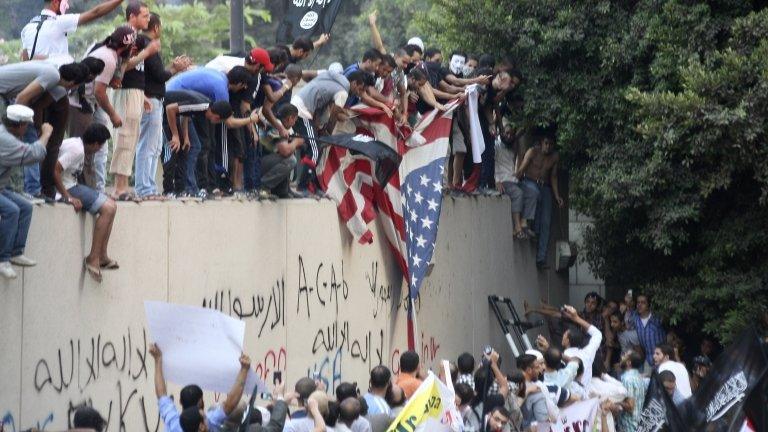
194 106
151 130
128 101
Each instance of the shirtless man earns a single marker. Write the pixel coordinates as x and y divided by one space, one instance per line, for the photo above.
538 175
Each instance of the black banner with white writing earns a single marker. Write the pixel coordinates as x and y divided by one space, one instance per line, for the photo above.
659 413
307 18
734 388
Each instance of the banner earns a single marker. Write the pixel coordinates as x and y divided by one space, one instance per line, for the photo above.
578 417
734 388
307 18
659 413
432 408
199 345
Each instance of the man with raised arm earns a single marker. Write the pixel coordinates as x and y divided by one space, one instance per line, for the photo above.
191 396
576 344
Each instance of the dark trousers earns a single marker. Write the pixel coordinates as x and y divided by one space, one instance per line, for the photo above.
204 131
252 167
57 114
174 163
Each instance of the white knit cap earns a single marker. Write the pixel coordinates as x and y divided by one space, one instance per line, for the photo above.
535 353
20 113
416 41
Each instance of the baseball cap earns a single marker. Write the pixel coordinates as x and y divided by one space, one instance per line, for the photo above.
261 56
19 113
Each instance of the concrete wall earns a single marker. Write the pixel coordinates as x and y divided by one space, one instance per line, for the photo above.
312 299
581 279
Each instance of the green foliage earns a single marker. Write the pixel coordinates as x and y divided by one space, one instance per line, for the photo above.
661 111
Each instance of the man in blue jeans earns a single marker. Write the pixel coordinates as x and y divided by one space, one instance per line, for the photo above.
15 210
538 173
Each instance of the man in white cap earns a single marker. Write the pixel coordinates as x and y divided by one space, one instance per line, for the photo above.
15 211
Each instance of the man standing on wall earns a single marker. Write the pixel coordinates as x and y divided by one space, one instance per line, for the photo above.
538 173
129 103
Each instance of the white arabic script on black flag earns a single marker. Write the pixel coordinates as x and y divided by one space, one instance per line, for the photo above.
307 18
732 387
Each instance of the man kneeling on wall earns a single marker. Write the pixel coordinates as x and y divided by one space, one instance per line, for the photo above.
69 166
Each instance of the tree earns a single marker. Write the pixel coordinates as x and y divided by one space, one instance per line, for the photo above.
660 109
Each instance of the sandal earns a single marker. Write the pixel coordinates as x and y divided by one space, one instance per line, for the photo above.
110 264
93 272
127 196
521 235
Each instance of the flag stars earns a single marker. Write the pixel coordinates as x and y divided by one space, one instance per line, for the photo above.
416 260
414 216
418 198
426 222
424 180
421 241
438 187
432 204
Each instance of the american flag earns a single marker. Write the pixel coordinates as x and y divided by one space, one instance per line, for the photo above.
409 204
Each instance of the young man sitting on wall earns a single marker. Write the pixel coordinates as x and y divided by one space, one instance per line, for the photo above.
68 168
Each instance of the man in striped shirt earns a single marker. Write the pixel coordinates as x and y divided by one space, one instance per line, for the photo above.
649 329
381 379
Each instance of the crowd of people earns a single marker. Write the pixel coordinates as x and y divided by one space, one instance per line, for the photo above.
242 124
606 352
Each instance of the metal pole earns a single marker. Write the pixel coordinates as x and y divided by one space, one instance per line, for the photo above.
237 29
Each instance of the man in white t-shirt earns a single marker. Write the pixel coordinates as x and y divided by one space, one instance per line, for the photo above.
575 346
68 168
662 357
45 36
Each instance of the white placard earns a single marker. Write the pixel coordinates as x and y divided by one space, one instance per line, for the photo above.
200 346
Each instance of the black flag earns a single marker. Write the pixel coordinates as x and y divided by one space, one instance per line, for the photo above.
307 18
734 388
386 159
659 413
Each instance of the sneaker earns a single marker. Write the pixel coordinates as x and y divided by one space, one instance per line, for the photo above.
202 194
32 199
265 194
23 261
7 271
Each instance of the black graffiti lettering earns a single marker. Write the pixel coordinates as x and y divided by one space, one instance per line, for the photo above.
108 354
317 284
142 356
124 408
144 416
48 380
304 288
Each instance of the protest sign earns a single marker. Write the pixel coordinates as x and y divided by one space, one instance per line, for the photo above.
431 408
200 346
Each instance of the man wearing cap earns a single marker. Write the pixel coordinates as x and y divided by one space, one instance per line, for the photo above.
114 52
15 211
256 62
